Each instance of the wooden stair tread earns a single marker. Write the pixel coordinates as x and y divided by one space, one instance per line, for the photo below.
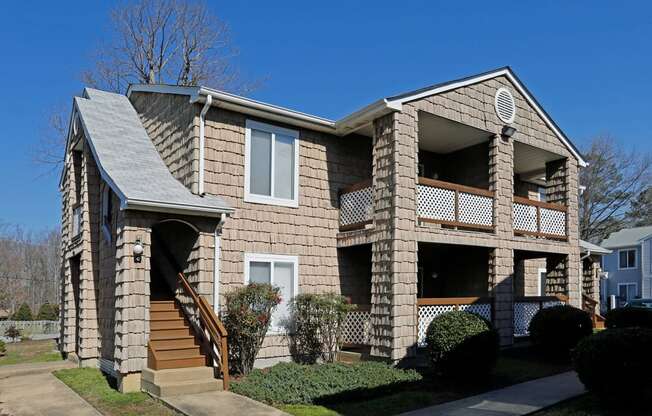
156 319
173 337
183 356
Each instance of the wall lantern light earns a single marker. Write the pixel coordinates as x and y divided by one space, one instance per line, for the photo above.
138 251
508 131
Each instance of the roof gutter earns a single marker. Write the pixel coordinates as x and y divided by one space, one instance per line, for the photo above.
366 115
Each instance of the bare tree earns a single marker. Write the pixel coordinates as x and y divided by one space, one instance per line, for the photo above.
614 179
165 42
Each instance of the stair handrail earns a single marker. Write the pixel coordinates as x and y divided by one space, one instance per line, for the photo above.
215 328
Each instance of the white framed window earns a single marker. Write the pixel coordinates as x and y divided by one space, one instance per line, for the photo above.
541 282
277 270
627 259
627 291
107 212
271 165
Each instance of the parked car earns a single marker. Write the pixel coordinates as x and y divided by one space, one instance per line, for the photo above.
639 303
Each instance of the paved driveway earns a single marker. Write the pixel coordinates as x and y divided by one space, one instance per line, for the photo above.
39 394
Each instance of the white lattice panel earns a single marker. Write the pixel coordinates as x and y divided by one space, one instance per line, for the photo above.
355 207
356 328
553 221
525 217
428 312
436 203
524 312
476 209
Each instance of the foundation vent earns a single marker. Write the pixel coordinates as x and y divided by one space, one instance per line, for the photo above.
505 105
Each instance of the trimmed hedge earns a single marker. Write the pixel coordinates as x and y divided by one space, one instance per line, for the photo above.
462 344
629 317
557 330
291 383
616 364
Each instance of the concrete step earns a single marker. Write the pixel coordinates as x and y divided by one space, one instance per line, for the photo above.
178 388
349 357
177 374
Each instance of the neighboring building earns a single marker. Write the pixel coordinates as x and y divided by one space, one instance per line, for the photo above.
629 266
451 196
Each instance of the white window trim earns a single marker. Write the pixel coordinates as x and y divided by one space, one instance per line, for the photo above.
629 284
263 199
539 288
635 259
273 258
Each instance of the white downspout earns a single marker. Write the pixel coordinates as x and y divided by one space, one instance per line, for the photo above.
202 141
216 264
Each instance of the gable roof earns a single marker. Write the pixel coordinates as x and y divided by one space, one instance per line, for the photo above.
129 162
627 237
352 122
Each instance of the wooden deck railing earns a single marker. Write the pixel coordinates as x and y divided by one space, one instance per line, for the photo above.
356 203
429 308
525 307
212 324
539 219
455 205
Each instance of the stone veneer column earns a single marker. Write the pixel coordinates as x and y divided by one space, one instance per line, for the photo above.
501 259
563 188
132 301
394 250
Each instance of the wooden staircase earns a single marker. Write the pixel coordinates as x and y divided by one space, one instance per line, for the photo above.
589 305
173 343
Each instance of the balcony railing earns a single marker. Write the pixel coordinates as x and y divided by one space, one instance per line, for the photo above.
356 203
525 307
455 205
76 220
539 219
357 326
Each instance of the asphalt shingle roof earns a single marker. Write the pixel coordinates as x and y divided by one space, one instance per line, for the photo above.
627 237
129 161
595 249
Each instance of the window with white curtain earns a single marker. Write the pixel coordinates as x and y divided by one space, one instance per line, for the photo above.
277 270
271 164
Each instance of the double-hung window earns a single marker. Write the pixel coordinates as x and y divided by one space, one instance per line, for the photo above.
627 291
627 259
271 164
279 271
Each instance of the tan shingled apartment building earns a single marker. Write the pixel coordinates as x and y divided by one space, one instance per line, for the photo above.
459 195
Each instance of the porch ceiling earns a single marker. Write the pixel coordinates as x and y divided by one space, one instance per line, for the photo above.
441 135
530 162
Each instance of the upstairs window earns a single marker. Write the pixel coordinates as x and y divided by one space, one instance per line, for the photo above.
107 213
271 164
627 259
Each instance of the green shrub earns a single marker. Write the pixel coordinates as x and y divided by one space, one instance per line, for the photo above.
24 313
629 317
291 383
47 313
462 344
13 333
247 318
3 348
557 330
318 321
616 364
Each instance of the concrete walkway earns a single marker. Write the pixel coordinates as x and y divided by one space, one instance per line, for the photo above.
221 403
519 399
31 390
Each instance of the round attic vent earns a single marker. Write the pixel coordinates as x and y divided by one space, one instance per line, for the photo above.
505 106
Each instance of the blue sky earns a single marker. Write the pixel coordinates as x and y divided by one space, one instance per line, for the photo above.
588 63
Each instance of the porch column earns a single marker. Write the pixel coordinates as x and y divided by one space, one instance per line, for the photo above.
394 250
563 188
501 272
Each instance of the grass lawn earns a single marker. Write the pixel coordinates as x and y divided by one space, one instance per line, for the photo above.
91 384
514 366
586 405
30 352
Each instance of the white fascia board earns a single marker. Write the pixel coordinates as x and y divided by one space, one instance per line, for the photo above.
266 111
164 89
166 207
507 73
366 115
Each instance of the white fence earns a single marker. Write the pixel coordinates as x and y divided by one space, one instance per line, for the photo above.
357 326
31 327
429 308
526 307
